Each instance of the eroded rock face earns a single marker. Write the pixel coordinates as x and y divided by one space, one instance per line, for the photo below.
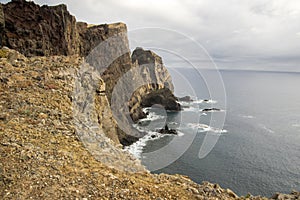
56 95
164 97
45 30
158 88
42 31
91 36
36 30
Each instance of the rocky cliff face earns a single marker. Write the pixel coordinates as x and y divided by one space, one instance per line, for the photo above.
45 30
42 158
42 31
53 94
37 30
158 87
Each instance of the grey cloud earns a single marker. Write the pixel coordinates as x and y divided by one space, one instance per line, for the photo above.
253 33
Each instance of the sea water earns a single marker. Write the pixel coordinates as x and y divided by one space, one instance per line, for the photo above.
258 149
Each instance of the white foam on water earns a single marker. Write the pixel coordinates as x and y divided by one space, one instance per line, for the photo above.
295 125
184 103
180 134
196 102
210 101
266 128
151 116
247 116
191 109
136 148
205 128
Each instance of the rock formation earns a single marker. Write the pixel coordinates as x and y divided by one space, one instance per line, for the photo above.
158 88
42 31
45 30
43 100
51 100
42 158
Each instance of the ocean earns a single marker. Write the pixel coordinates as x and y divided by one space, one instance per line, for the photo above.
257 150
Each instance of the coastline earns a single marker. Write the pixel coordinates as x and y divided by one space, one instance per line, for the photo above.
42 155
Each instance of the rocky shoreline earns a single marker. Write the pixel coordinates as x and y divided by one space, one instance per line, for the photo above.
42 157
45 151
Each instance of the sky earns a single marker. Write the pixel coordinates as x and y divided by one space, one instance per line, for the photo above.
235 34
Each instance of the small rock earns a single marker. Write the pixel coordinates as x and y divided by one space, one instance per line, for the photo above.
231 193
43 116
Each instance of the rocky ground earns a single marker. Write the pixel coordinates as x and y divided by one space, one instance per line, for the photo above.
42 158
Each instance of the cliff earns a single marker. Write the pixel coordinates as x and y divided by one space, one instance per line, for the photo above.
62 118
158 87
45 30
43 158
35 30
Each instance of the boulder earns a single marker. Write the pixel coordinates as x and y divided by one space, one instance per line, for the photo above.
210 109
167 130
185 98
163 97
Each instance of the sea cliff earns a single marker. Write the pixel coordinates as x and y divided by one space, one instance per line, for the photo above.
45 151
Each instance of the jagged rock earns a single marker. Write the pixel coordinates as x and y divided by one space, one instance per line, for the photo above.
185 98
45 30
163 97
39 30
41 157
210 109
159 89
167 130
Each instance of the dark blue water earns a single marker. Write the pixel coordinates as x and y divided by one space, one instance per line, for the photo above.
260 152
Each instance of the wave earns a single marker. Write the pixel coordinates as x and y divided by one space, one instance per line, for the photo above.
196 102
136 148
266 128
210 101
295 125
205 128
247 116
191 109
151 116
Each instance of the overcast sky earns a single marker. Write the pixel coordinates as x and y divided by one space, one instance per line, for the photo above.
246 34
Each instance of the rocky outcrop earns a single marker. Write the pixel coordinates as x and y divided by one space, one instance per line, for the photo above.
45 30
90 36
51 30
53 94
167 130
41 156
42 31
158 87
185 99
163 97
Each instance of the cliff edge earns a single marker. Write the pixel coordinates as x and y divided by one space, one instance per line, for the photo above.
35 30
43 158
62 83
